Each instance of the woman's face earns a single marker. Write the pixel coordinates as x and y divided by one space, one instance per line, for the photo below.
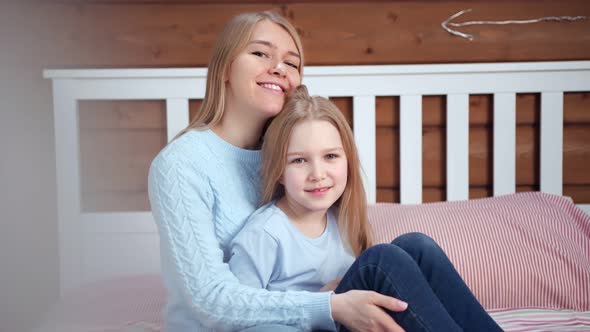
264 73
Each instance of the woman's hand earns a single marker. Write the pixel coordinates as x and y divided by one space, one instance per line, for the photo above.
331 285
360 310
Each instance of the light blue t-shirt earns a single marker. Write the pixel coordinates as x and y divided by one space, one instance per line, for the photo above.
270 252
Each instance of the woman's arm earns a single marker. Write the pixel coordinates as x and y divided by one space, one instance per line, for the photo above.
182 204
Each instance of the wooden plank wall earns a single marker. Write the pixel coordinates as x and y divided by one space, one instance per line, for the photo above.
118 140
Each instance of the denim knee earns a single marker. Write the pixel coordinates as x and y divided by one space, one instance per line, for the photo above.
384 253
414 243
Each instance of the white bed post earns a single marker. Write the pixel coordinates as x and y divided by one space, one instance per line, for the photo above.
504 143
177 116
410 149
457 147
363 113
67 147
552 142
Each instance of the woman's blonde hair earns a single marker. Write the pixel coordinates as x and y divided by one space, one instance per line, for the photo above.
352 205
232 40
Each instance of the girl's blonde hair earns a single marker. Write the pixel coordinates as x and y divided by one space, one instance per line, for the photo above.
352 205
232 40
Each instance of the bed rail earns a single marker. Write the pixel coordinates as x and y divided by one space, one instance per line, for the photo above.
363 84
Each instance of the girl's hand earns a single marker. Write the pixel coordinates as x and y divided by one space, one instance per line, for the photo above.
331 285
360 310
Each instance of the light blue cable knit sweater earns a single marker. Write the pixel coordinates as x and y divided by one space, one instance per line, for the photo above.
202 189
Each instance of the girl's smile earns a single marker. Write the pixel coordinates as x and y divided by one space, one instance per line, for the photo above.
319 191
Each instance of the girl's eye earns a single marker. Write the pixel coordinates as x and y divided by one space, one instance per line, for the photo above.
331 156
298 161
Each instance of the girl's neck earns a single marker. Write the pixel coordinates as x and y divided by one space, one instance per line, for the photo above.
311 223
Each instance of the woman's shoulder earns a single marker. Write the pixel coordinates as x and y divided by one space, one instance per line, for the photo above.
185 157
188 148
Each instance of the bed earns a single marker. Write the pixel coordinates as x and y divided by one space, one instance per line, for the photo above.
526 256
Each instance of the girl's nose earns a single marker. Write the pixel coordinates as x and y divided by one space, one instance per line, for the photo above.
317 173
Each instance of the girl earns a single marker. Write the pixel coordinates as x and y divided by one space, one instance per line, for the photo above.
203 186
313 225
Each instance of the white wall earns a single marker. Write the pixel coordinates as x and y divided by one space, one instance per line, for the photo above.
28 216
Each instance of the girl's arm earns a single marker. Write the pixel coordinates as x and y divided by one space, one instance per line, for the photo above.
192 260
254 254
331 286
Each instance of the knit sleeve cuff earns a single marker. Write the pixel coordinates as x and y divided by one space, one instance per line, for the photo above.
321 312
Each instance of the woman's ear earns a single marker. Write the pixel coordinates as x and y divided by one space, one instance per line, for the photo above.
226 72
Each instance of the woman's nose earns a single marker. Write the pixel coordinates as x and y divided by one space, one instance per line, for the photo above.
278 69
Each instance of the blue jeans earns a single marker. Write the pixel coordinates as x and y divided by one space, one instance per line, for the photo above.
413 268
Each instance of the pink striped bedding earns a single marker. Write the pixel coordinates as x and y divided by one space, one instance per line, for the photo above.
527 252
541 320
114 312
515 251
134 304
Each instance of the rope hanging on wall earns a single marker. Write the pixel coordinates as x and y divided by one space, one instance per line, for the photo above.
446 23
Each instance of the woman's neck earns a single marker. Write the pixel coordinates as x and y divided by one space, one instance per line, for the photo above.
245 135
311 223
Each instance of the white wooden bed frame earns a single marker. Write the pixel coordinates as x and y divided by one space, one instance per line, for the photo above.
96 246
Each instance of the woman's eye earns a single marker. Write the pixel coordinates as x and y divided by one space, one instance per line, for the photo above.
292 65
298 161
260 54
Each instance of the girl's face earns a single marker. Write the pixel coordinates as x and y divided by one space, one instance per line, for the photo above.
316 172
264 73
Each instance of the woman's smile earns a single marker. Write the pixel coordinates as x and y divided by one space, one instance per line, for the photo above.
273 88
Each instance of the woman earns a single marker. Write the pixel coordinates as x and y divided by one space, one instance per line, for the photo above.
203 186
